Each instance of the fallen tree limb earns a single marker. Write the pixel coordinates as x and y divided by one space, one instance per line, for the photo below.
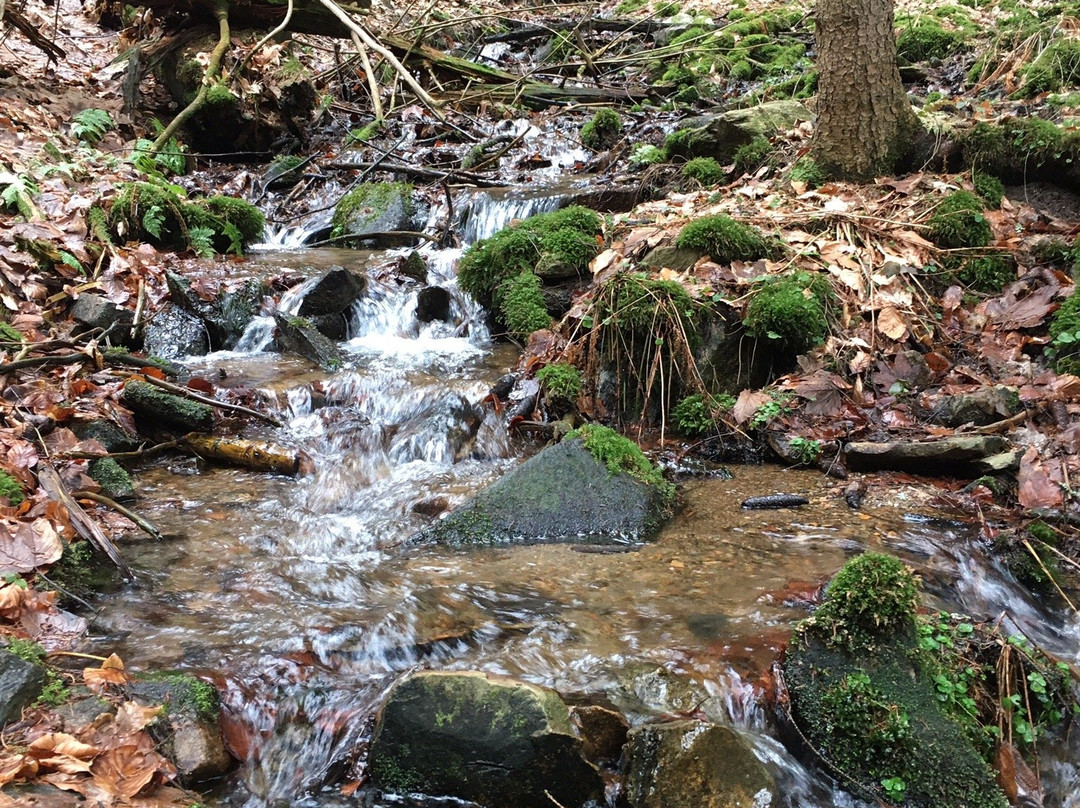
254 455
528 32
538 96
464 177
45 361
83 524
178 390
101 499
31 32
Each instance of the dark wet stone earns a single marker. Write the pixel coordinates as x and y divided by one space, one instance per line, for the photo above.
982 407
105 432
115 482
603 731
433 303
561 494
335 291
671 257
300 335
414 266
95 311
332 326
21 683
955 455
495 741
174 332
692 764
227 314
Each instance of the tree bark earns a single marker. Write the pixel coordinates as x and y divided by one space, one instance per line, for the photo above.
865 123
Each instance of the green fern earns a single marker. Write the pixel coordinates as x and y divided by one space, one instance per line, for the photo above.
17 193
153 219
71 261
91 125
172 159
202 241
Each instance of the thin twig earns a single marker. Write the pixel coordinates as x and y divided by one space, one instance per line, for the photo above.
210 402
143 524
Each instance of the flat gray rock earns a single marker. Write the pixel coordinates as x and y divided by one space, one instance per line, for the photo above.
954 455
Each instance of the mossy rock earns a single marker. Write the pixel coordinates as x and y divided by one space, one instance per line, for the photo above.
225 316
862 698
1024 149
159 407
114 480
490 740
791 311
958 222
602 132
725 240
719 136
375 208
562 494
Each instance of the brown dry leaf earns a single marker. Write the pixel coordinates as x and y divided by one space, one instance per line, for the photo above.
748 403
603 261
127 769
29 545
111 672
1008 313
851 278
12 598
892 324
17 767
1039 481
62 752
132 717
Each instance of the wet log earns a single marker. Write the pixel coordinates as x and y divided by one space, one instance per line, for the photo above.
160 407
773 501
254 455
309 16
538 96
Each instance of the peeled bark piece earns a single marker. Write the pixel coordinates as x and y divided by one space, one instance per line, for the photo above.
174 411
255 455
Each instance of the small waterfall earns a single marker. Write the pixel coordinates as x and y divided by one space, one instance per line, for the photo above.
260 331
489 211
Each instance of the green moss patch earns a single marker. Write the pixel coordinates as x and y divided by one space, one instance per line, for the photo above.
602 132
1064 348
1057 66
791 311
1021 148
926 39
704 170
725 239
520 302
958 222
561 381
11 489
621 456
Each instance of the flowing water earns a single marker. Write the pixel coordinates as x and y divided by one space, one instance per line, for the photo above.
306 600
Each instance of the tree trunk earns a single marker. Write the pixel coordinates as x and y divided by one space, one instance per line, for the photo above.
865 123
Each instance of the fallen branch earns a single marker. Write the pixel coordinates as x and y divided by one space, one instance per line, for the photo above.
255 455
464 177
101 499
45 361
186 392
83 524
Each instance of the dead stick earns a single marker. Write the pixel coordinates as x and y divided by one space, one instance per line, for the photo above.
83 524
211 402
44 361
144 525
138 453
1046 572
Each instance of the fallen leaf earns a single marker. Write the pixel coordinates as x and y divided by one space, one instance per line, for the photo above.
748 403
29 546
892 324
1039 480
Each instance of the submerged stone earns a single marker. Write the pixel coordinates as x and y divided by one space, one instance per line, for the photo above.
492 740
561 494
694 764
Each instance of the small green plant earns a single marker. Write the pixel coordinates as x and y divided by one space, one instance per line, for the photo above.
1064 347
987 273
54 692
17 192
561 381
645 154
10 334
958 222
704 170
805 170
895 789
621 455
778 405
725 239
873 596
11 489
602 132
805 450
91 125
693 415
791 311
751 155
366 132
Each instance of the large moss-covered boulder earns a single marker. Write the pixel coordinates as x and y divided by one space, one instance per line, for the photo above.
495 741
693 764
372 210
863 697
574 491
719 135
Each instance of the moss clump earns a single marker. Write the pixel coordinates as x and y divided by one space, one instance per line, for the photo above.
186 693
521 304
987 273
807 171
564 237
874 596
688 143
725 239
751 155
958 222
158 215
367 132
644 154
54 692
926 39
1018 148
790 310
1065 336
154 403
989 188
561 381
115 482
11 489
704 170
621 456
370 201
602 132
1056 67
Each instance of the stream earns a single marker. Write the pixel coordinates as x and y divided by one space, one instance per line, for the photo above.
306 601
